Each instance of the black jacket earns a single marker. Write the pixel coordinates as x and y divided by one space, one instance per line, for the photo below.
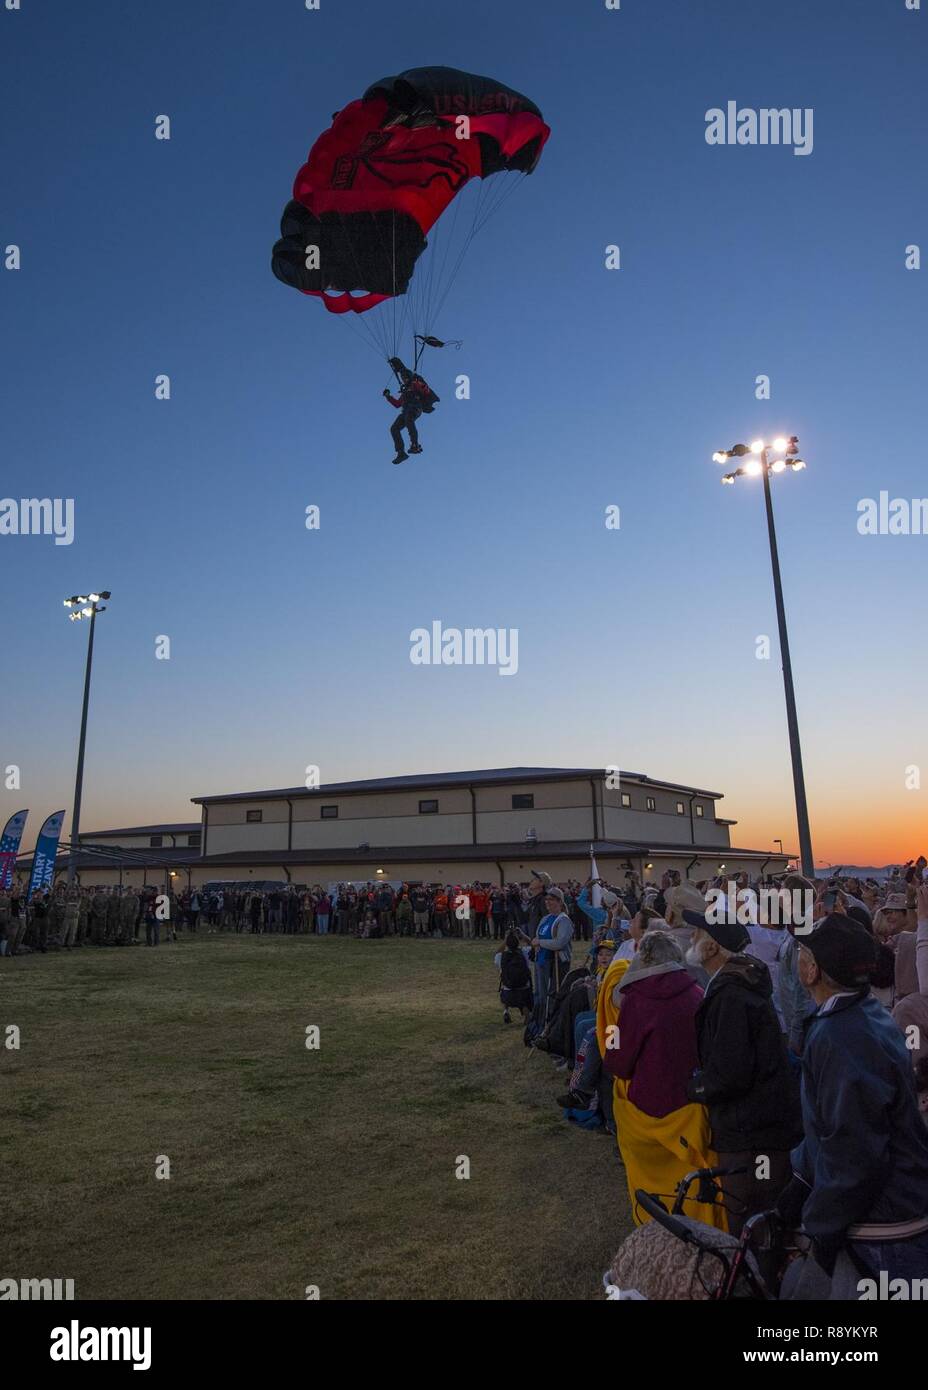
514 971
535 913
744 1077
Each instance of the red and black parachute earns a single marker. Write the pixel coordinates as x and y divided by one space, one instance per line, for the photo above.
381 176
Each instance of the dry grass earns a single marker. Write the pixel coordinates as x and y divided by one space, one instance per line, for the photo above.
291 1167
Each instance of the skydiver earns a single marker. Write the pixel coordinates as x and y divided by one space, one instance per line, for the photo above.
414 396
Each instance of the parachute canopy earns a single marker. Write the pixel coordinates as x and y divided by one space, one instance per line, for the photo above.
384 172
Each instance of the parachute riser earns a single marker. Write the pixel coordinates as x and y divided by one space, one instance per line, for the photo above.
424 340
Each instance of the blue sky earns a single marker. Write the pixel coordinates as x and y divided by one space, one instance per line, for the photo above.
588 388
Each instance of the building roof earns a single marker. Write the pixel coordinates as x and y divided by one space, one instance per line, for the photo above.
478 777
90 857
552 849
177 828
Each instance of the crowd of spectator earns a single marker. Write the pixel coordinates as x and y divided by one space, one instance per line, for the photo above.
71 916
712 1025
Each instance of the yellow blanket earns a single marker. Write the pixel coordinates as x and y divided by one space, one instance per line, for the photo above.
606 1012
657 1153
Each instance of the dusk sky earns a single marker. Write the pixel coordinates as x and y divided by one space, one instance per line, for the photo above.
590 388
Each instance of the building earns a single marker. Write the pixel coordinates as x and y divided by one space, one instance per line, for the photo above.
491 825
131 856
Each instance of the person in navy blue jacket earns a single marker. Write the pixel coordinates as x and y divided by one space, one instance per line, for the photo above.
860 1178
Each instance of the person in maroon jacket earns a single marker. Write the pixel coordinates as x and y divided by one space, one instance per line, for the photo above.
657 1022
662 1134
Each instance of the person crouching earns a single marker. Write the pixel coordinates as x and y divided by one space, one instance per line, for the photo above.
515 979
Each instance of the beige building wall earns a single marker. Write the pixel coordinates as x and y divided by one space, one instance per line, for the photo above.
384 830
643 826
611 867
136 841
561 811
506 827
233 839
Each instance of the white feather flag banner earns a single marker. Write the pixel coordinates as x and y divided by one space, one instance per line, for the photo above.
596 896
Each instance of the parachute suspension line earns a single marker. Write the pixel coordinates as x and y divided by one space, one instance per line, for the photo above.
389 341
436 277
426 294
468 238
366 337
509 182
375 335
500 187
393 269
408 301
487 207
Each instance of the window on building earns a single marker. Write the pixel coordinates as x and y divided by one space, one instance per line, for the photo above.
193 841
428 808
626 798
155 841
523 801
681 809
699 811
253 817
328 812
652 805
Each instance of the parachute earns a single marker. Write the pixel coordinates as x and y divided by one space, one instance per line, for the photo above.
380 178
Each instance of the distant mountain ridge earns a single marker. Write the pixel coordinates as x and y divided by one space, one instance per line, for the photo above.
858 871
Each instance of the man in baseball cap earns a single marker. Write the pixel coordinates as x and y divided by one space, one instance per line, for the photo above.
536 909
861 1172
729 936
744 1077
840 955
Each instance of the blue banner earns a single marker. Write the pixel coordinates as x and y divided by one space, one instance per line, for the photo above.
46 848
9 847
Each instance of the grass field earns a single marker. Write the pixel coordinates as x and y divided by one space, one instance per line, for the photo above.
290 1167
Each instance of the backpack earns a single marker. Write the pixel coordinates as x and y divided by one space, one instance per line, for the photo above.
514 970
422 394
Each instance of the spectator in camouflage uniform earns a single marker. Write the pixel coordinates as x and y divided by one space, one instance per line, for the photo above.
129 912
5 919
112 917
83 917
72 902
56 916
18 920
98 917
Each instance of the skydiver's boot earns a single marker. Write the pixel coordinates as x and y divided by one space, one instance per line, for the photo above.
415 448
401 457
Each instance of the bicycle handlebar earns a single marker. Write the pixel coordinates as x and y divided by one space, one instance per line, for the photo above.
658 1212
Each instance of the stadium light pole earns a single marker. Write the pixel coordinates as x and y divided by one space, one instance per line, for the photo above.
82 606
758 462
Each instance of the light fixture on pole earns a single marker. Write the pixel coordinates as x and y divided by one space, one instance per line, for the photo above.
760 463
82 606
